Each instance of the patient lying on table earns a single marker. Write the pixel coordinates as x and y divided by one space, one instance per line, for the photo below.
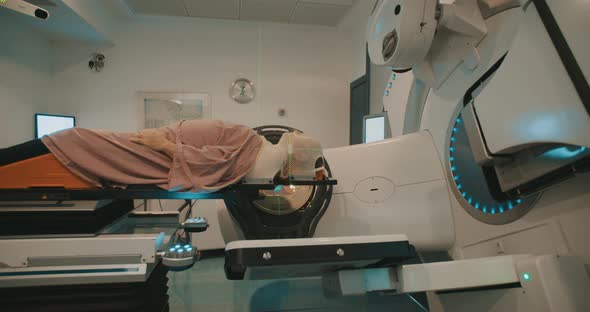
196 155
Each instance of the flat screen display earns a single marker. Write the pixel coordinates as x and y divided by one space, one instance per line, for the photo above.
374 129
47 124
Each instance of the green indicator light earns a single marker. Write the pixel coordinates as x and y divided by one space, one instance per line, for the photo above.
526 276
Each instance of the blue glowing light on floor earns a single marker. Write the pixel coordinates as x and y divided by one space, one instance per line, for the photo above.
485 206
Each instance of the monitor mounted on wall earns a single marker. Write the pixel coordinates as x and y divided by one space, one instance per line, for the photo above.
46 124
376 127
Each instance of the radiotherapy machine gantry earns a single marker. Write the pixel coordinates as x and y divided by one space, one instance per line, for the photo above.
496 111
509 82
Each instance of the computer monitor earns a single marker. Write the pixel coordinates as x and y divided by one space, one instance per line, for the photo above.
375 128
46 124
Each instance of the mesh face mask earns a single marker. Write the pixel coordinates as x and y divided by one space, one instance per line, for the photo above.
305 155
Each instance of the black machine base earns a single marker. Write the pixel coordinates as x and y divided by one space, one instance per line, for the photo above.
304 258
59 220
148 296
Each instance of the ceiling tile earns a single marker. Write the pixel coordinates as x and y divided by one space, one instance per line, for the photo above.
267 10
213 8
318 14
158 7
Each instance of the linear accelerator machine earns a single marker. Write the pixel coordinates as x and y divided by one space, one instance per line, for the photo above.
393 198
519 124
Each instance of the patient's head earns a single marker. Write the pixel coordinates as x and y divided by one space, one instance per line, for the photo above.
304 155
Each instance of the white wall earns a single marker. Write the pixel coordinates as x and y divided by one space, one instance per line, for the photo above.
303 69
355 24
24 80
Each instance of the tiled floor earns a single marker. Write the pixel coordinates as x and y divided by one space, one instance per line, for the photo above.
204 288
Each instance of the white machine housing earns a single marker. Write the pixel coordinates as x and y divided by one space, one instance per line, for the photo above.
473 38
546 109
389 187
401 32
519 283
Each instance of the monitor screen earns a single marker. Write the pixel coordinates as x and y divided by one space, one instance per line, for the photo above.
374 129
47 124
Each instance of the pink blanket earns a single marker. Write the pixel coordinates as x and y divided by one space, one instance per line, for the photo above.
210 154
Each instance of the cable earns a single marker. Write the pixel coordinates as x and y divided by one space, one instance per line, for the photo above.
183 206
180 234
417 303
160 202
190 210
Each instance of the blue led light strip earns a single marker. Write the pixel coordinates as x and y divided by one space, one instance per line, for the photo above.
485 207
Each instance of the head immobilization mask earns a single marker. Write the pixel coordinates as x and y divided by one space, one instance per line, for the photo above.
304 154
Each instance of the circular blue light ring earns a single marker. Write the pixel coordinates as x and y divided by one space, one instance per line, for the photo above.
485 207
